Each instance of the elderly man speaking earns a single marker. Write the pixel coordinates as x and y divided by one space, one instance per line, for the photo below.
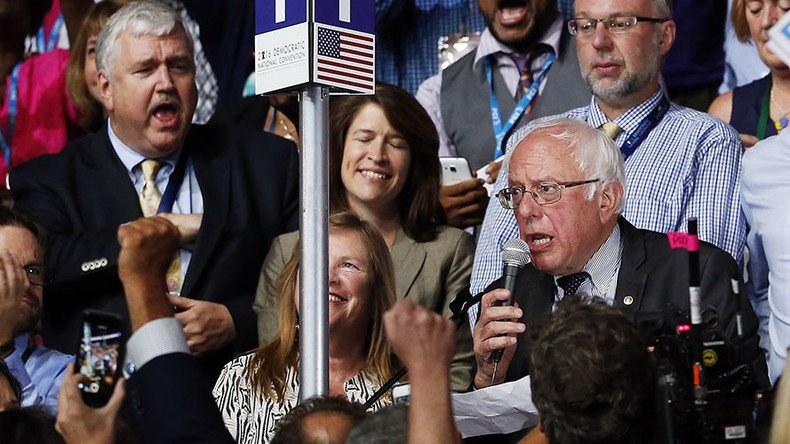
566 188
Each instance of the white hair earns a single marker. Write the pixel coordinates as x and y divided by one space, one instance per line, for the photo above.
593 151
139 18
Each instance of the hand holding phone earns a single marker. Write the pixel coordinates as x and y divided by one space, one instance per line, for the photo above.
100 355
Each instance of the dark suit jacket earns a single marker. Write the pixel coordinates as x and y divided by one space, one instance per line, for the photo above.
170 402
651 275
249 183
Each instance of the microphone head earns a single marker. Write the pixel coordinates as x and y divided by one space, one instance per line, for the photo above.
516 252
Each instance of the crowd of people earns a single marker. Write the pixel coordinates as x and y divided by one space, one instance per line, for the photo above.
597 134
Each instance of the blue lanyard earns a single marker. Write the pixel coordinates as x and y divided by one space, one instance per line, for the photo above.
53 36
173 184
500 131
13 93
643 129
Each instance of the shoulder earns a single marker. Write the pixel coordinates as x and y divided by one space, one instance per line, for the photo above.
460 67
237 140
721 108
234 372
700 129
447 241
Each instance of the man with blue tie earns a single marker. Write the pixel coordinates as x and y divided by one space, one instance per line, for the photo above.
229 192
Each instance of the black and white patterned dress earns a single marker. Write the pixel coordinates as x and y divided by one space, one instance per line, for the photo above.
251 417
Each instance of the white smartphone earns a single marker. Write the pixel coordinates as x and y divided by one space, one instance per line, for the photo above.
401 393
455 170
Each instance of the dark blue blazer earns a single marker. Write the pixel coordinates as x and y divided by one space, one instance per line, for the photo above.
249 182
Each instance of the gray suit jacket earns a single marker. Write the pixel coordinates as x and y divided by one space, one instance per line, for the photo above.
429 273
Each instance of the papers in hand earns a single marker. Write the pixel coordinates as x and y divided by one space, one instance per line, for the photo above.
503 408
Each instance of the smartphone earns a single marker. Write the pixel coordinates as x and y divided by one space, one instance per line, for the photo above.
401 393
100 356
454 170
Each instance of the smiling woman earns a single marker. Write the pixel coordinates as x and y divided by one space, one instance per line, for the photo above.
255 390
384 167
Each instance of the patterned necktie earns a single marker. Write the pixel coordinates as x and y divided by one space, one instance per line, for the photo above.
525 74
149 203
611 129
571 283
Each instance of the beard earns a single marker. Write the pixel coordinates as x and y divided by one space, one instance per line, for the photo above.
28 320
616 90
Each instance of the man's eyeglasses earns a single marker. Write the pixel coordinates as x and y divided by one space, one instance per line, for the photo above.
615 24
544 193
35 274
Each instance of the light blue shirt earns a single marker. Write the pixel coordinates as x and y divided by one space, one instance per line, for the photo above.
688 166
765 190
189 199
41 375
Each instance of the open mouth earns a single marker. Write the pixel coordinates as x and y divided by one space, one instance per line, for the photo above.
336 298
511 12
373 175
538 241
166 113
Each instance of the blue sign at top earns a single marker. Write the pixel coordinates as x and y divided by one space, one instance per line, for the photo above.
275 14
350 14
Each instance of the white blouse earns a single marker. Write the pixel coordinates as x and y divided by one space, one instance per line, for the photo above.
251 417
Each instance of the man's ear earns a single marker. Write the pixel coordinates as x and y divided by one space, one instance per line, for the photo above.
667 32
105 89
611 195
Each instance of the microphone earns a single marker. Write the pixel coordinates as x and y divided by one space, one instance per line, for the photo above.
515 254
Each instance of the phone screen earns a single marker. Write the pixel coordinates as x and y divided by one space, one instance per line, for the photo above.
98 357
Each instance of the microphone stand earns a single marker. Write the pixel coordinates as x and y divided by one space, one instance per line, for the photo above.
459 309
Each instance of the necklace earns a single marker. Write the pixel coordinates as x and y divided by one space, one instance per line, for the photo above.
783 121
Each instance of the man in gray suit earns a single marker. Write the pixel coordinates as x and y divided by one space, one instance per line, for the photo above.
524 67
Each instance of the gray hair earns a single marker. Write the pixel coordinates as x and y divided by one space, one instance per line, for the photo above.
662 8
389 425
140 18
595 153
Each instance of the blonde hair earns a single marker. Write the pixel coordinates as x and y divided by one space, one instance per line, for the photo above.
268 367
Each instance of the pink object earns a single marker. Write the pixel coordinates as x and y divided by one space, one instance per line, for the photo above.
689 242
46 118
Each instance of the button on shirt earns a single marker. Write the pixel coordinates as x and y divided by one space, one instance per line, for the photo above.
189 199
688 166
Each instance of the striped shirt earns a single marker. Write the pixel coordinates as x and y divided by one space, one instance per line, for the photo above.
688 166
603 268
251 417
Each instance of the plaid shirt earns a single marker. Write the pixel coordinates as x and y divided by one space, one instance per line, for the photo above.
688 166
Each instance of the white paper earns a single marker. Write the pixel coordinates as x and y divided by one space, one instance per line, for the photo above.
481 174
503 408
779 39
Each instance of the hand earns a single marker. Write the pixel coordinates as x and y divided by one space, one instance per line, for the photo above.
423 340
147 248
495 329
492 170
207 325
78 423
748 140
464 203
188 225
13 286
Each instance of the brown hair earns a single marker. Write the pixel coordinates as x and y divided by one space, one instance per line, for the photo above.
92 110
420 210
268 366
739 23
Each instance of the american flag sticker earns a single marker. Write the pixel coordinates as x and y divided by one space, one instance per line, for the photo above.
345 59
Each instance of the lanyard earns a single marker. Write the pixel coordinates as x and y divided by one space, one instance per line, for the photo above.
765 110
173 184
13 92
500 131
645 126
54 35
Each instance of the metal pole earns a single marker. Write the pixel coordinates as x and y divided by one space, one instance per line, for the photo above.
313 271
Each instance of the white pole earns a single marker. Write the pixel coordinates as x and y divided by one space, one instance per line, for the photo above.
313 270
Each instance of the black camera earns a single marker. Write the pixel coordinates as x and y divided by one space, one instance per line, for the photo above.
717 402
